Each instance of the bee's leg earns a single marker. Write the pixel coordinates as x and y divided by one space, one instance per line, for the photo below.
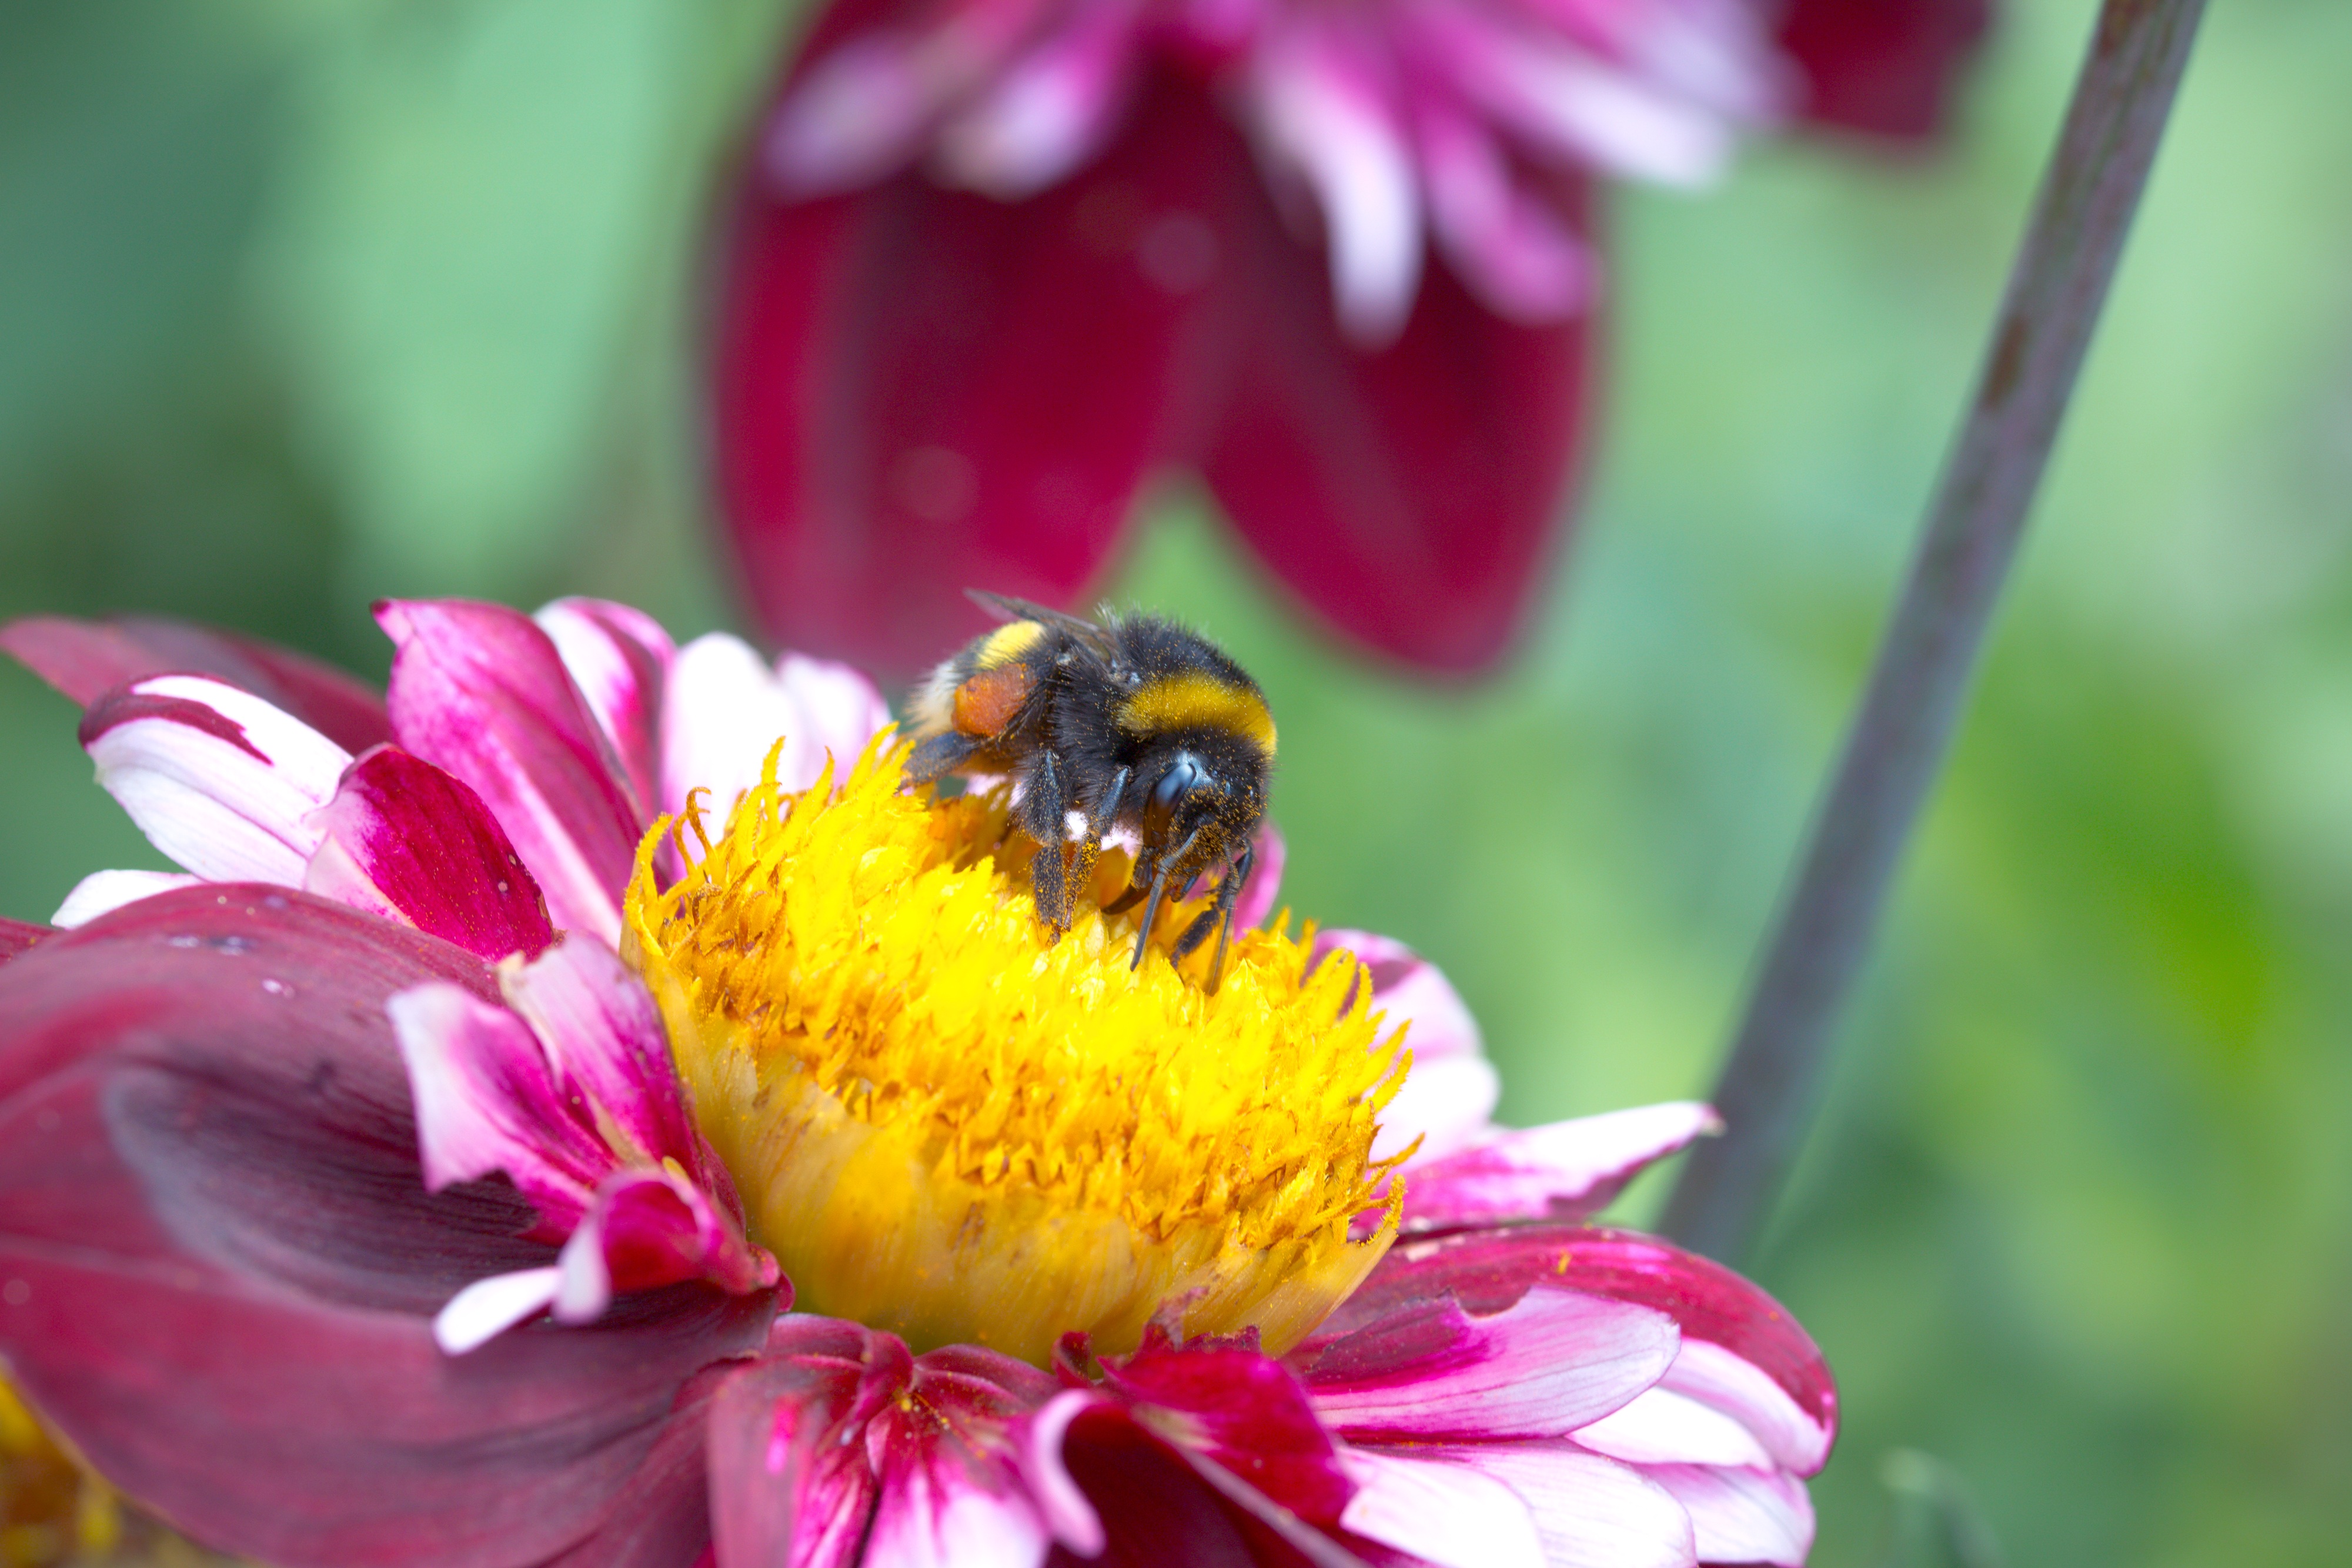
939 754
1158 886
1089 847
1041 813
1219 915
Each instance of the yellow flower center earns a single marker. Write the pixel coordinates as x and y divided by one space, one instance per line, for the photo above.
945 1123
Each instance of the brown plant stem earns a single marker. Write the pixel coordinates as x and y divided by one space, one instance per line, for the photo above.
1904 728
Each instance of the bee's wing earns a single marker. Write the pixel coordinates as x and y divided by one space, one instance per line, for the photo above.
1005 607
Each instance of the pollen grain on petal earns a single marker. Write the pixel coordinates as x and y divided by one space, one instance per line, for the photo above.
945 1123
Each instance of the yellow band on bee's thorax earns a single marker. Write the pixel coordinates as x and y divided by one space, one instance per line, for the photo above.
1196 700
1007 644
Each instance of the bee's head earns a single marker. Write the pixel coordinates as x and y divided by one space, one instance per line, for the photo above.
1199 809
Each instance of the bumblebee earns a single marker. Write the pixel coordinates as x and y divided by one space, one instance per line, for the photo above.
1127 722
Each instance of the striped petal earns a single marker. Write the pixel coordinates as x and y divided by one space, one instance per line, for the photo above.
218 779
1562 1171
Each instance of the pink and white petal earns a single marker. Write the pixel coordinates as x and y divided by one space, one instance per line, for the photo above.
487 1101
1321 114
1521 257
1445 1103
1589 1511
1440 1512
87 659
939 1505
406 841
790 1484
1563 1171
1725 1381
1758 1365
1742 1351
103 892
217 778
620 658
1553 1361
1049 111
480 690
1068 1515
1740 1515
1664 1427
1575 107
488 1308
726 708
1412 990
599 1027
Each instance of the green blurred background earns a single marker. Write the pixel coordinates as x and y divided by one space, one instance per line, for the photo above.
308 301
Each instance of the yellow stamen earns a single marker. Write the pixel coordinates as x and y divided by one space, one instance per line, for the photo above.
53 1507
945 1123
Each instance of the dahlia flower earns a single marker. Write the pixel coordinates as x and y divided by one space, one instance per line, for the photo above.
827 1212
992 262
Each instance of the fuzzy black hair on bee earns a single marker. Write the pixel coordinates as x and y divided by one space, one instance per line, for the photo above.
1128 721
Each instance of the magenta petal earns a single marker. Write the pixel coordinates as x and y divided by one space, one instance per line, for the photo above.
1742 1351
1590 1513
605 1036
1541 1367
1562 1171
1414 496
18 936
1880 68
480 690
620 658
222 1258
405 840
85 658
918 390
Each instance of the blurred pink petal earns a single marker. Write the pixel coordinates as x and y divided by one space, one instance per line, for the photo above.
1884 69
918 391
84 659
406 841
1408 496
480 690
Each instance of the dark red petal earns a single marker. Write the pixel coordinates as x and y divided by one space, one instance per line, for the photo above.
1155 1511
1884 67
85 658
1414 496
918 390
17 935
406 840
661 1517
218 1259
1251 1416
1488 1269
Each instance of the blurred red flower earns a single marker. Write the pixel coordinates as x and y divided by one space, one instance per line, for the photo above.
992 262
